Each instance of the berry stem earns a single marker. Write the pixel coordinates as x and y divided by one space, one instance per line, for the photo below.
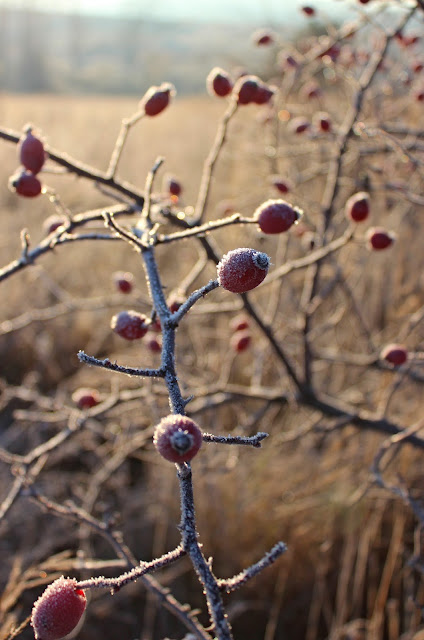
201 566
211 160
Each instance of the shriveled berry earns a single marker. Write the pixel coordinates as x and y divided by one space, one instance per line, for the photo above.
379 238
130 325
25 184
86 398
276 216
396 354
219 83
124 281
242 269
31 151
177 438
240 341
58 610
357 207
156 99
240 323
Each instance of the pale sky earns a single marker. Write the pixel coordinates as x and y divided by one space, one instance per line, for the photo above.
255 11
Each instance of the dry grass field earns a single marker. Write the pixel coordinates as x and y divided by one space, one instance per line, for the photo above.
353 569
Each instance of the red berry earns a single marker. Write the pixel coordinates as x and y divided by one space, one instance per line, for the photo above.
357 207
124 281
263 37
52 223
58 610
419 95
242 269
156 99
263 94
276 216
308 11
396 354
31 151
240 323
287 60
298 125
364 1
25 184
280 185
378 238
177 438
417 66
172 185
322 121
174 304
240 341
245 89
130 325
218 83
86 398
154 345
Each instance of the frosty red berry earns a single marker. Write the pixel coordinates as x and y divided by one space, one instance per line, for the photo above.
396 354
242 269
130 325
357 207
219 83
379 238
58 610
124 281
276 216
156 99
25 184
31 151
86 398
177 438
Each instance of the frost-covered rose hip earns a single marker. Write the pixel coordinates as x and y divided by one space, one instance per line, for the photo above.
124 281
240 341
177 438
245 89
243 269
357 207
156 99
172 185
379 238
263 37
240 323
31 151
218 83
276 216
25 184
280 184
86 398
58 610
130 325
396 354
